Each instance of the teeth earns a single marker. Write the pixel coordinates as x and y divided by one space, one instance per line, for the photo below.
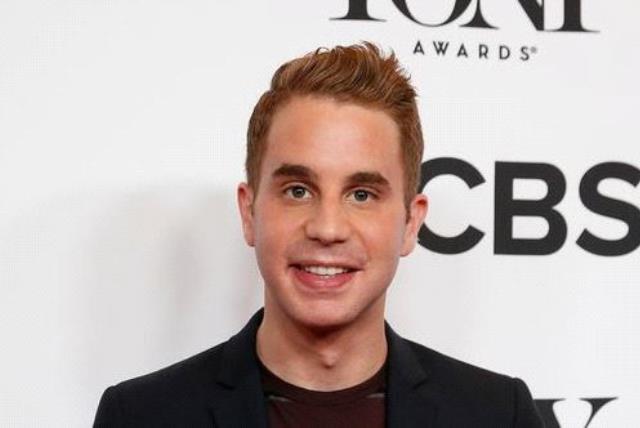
325 270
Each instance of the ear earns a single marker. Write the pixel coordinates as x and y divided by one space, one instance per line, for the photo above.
417 213
245 205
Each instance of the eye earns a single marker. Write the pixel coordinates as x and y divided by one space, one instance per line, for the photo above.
361 195
297 192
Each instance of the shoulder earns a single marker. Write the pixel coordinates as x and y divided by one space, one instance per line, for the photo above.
178 389
189 374
456 372
183 394
484 395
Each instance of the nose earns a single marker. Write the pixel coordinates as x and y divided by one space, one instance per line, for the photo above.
328 223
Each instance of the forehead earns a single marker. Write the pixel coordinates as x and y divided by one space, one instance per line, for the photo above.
333 137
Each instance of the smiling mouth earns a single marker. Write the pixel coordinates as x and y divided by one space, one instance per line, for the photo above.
327 271
323 277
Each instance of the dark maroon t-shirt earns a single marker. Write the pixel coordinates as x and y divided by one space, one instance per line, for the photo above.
289 406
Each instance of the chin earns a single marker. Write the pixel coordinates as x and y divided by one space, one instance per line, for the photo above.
326 317
325 321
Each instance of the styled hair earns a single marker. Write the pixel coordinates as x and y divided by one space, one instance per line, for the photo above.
359 74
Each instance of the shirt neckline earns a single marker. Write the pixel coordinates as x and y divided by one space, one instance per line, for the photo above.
277 387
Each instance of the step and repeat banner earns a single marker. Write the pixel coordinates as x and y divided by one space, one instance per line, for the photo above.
122 133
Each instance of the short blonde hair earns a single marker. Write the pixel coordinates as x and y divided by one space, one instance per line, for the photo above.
359 74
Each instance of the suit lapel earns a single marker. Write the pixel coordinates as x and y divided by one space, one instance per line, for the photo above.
411 397
237 399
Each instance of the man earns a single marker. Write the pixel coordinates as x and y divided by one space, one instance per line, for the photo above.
330 205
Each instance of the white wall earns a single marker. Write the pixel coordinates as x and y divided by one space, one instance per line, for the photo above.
122 139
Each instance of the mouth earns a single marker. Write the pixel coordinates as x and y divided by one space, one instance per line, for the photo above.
323 276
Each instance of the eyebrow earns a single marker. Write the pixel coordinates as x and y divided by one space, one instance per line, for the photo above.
294 170
372 178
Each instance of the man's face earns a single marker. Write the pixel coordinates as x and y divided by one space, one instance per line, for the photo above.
329 222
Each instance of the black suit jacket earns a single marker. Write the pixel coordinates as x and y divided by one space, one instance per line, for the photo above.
221 388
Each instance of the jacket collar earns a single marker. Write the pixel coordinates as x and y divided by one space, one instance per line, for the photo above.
239 400
410 395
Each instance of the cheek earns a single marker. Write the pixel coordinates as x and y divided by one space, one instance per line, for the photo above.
269 241
268 220
385 232
383 240
274 233
269 256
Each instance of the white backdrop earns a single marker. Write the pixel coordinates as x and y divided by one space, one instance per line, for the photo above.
122 130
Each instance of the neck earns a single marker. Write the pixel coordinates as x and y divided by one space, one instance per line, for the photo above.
322 360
